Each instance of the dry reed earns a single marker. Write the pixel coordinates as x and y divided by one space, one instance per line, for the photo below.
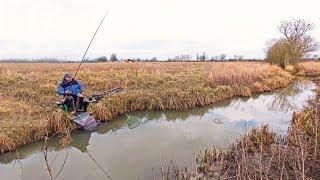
27 91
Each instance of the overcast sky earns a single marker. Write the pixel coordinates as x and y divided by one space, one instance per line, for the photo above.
146 28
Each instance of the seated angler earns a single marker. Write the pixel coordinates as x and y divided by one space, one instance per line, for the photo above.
72 92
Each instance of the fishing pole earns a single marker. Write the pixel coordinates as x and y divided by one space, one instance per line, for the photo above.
84 55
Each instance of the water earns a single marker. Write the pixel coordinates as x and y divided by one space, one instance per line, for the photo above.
127 153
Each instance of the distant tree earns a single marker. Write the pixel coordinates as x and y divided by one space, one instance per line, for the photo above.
222 57
295 45
153 59
238 57
113 57
102 59
183 57
215 58
202 57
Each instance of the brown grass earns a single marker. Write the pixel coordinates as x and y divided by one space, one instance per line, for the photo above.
311 68
27 91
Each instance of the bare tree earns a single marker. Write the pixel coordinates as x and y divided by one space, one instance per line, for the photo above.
295 29
238 57
202 57
215 58
295 45
296 32
183 57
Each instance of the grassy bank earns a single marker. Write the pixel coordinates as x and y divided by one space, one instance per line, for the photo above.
262 154
27 91
311 69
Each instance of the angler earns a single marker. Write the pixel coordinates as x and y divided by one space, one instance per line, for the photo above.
73 98
72 92
73 101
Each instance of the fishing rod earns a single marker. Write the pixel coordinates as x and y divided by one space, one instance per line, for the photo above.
84 55
132 121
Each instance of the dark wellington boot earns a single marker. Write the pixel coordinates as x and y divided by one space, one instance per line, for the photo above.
79 104
85 106
70 103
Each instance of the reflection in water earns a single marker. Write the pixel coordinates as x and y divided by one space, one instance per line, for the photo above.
289 100
82 141
165 135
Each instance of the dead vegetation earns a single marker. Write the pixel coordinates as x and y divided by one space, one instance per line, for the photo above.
311 68
28 112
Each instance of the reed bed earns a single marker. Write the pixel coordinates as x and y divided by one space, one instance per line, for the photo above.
27 91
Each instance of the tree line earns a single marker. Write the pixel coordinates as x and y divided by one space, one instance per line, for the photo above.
296 44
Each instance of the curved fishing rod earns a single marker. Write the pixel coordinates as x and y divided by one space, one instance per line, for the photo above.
90 43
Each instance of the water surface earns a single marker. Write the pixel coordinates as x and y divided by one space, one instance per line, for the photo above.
164 136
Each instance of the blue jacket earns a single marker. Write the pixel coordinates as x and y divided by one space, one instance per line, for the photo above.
75 87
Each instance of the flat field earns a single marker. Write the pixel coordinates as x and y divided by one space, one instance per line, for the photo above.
27 91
